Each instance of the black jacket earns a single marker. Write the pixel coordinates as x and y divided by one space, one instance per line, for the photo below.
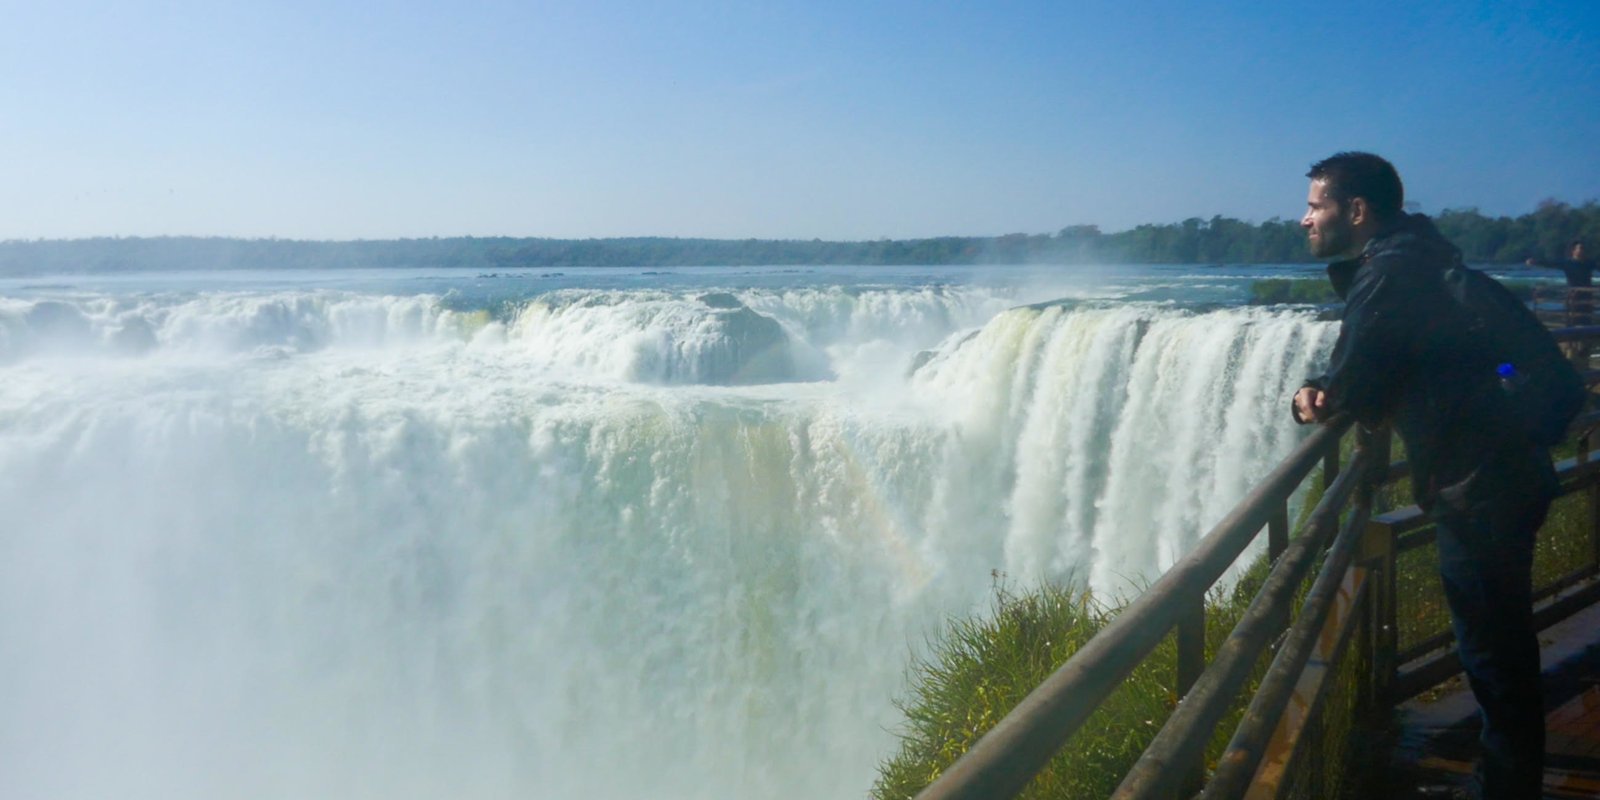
1579 273
1403 356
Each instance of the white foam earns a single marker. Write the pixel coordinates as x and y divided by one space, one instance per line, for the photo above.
418 555
221 323
1118 435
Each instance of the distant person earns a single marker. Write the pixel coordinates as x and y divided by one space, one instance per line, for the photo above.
1580 276
1402 357
1579 270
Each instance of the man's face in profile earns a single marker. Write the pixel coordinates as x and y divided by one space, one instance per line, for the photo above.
1577 251
1328 230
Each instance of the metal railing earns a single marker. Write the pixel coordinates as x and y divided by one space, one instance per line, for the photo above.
1347 616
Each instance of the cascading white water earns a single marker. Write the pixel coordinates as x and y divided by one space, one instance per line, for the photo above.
330 545
283 322
1106 439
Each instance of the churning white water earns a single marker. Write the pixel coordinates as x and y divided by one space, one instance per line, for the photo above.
613 542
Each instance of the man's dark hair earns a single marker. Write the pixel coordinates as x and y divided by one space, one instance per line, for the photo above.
1350 175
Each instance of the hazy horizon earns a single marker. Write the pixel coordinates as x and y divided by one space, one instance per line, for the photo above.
636 236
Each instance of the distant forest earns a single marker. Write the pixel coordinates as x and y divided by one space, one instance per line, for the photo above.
1219 240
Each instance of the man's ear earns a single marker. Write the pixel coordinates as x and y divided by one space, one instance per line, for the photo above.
1360 212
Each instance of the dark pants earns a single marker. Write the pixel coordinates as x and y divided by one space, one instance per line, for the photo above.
1485 561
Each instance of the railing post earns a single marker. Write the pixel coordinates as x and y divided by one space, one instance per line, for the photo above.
1382 639
1377 552
1191 663
1330 465
1578 350
1278 531
1580 360
1594 516
1375 441
1277 542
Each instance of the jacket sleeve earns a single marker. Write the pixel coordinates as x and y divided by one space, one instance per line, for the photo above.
1376 338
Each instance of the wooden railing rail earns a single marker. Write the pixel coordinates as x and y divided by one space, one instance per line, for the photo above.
1239 763
1158 772
1565 306
1425 662
1001 763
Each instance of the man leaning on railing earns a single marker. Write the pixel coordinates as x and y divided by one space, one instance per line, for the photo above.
1402 357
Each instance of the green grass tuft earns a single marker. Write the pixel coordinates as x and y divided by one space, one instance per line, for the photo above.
982 667
1305 291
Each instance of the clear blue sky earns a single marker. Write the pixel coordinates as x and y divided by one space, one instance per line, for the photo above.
841 120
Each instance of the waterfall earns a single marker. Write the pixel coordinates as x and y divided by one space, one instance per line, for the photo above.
1108 439
330 545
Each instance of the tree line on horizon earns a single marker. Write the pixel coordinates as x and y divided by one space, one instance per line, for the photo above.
1542 233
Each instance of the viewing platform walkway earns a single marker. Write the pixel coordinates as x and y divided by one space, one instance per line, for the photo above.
1437 732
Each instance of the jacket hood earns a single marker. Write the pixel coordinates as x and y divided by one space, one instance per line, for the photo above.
1412 236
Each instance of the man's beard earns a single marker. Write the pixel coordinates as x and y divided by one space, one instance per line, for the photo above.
1330 243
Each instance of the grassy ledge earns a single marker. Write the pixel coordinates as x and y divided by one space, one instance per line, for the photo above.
980 667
